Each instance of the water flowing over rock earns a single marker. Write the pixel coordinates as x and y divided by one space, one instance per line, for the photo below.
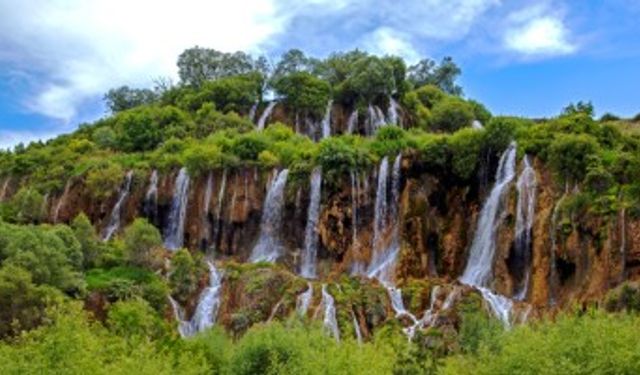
376 118
478 272
553 272
357 267
385 252
525 215
207 309
116 213
217 232
5 187
310 251
352 122
304 301
623 242
269 248
330 322
326 121
206 202
252 112
174 235
356 328
393 118
266 114
477 125
62 201
151 197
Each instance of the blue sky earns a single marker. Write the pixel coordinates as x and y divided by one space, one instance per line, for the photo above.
524 57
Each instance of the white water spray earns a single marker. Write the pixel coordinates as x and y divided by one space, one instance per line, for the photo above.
525 214
265 115
310 251
326 121
269 247
174 237
116 213
329 321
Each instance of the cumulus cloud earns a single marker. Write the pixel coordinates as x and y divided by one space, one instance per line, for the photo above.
538 32
387 41
78 49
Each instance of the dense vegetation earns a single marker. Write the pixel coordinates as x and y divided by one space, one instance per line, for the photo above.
202 123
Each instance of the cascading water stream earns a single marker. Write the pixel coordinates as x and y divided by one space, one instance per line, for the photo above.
217 224
326 121
207 309
376 118
477 125
151 197
304 301
252 111
552 278
352 122
269 248
478 272
5 187
174 236
310 251
116 213
385 253
393 118
329 321
62 201
266 114
525 215
357 267
206 202
356 328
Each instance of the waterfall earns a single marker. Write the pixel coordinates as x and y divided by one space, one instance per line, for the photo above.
477 125
330 322
151 198
525 214
266 114
383 261
268 247
252 111
62 201
116 213
206 202
247 205
356 328
352 122
207 308
174 236
357 267
308 258
623 242
393 118
553 273
5 187
304 301
376 118
326 121
216 220
478 272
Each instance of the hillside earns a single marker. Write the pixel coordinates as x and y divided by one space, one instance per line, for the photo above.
340 205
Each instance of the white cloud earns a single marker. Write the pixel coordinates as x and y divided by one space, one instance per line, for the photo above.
10 138
537 32
78 49
386 41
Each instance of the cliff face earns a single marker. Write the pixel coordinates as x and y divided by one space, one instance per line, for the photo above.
573 258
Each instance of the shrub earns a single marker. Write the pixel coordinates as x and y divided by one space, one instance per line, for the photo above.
570 155
465 146
451 114
142 243
103 179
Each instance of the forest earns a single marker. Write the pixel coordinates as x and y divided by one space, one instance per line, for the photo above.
341 215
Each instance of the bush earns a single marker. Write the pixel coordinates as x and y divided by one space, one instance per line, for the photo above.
27 206
465 146
104 179
143 244
304 92
451 114
570 155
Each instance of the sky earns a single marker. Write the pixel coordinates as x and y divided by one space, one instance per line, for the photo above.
519 57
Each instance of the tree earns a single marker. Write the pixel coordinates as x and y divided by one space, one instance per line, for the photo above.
444 75
570 155
451 114
197 65
86 236
141 241
136 319
304 92
105 137
123 98
183 275
27 205
294 61
23 303
580 107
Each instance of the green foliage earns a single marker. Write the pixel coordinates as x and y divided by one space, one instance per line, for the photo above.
27 205
23 303
135 318
123 98
585 108
444 75
593 343
197 65
143 243
104 178
183 275
88 240
304 92
465 146
451 114
571 154
105 137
